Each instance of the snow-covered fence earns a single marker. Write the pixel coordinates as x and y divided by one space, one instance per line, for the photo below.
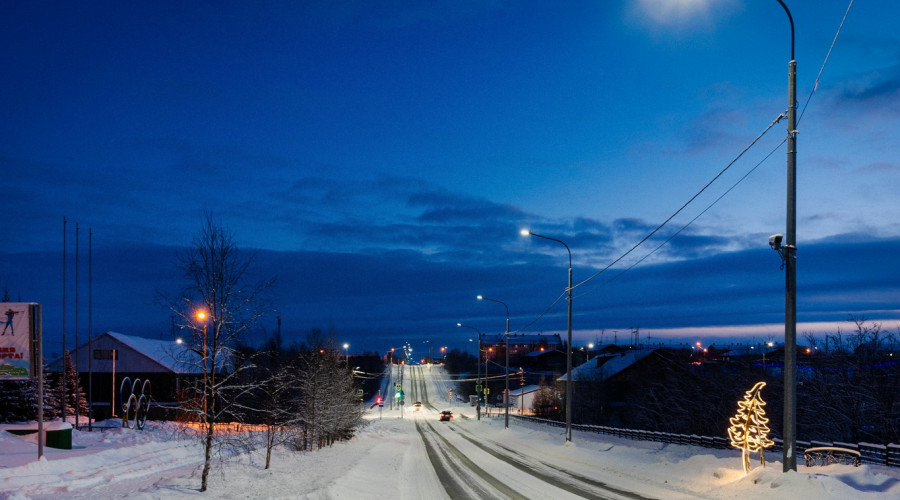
827 455
869 453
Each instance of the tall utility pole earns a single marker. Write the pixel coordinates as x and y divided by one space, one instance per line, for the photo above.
62 401
75 362
90 331
790 269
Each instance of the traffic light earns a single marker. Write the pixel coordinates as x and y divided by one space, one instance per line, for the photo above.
379 401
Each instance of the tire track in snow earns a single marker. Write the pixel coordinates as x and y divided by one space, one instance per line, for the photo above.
455 486
555 479
556 476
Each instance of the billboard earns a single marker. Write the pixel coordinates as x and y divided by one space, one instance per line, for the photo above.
16 334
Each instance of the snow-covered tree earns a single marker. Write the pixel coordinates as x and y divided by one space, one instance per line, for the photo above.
72 392
218 286
19 399
328 408
748 430
547 402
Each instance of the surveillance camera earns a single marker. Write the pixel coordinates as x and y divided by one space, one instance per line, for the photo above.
775 241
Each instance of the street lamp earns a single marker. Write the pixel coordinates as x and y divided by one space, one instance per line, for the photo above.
478 364
569 381
201 315
478 376
506 394
347 353
789 254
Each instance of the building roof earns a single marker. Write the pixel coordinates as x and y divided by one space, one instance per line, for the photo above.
524 390
603 367
523 338
546 352
177 358
152 355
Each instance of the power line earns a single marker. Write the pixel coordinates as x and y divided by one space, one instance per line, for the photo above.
680 209
827 55
727 167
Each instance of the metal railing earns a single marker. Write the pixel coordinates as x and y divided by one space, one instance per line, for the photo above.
877 454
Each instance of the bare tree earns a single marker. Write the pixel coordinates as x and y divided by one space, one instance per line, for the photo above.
274 397
218 305
851 392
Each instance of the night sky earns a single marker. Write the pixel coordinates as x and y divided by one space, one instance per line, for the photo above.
380 158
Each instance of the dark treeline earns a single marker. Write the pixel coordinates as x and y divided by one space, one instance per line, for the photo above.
846 390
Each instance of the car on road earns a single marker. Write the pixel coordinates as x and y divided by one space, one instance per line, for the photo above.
417 405
446 416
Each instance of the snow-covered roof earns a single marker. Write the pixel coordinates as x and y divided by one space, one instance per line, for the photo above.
524 390
174 357
535 354
154 355
615 363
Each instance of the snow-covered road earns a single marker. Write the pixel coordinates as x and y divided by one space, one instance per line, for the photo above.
416 457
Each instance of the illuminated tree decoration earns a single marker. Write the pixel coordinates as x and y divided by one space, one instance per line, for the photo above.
748 430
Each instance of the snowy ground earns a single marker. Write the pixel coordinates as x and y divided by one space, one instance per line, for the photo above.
390 459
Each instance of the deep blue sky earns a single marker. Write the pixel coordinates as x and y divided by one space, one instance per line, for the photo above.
383 156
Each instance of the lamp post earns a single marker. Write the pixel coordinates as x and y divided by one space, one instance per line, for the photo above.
347 353
391 379
789 256
569 381
201 315
478 364
506 394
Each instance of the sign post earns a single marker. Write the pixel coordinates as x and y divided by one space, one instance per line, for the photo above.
21 354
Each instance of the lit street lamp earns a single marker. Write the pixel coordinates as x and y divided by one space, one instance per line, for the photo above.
201 315
506 394
569 381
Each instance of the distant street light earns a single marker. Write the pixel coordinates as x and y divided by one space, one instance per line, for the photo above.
347 353
477 364
478 376
506 394
569 381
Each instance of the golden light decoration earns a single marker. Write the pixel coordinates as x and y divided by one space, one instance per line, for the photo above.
748 430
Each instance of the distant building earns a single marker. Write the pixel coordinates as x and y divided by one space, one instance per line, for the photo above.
104 363
519 345
522 399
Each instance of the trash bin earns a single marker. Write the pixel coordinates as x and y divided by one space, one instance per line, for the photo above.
59 435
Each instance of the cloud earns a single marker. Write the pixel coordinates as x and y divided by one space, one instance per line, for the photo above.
373 295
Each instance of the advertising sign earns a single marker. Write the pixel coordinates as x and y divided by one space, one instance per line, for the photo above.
15 340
